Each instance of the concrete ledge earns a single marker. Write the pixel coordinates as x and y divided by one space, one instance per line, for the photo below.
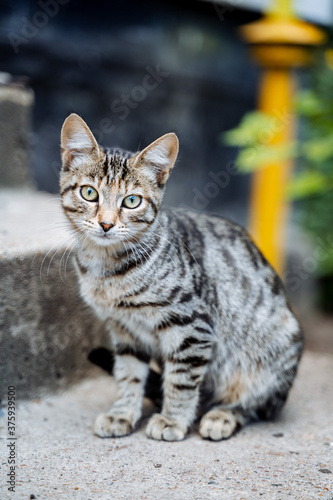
59 457
46 332
16 103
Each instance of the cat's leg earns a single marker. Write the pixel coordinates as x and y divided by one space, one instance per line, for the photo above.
184 371
220 423
130 373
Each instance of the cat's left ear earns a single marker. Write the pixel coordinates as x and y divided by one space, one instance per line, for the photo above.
158 158
78 144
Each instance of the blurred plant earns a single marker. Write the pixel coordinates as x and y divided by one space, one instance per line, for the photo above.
312 185
253 136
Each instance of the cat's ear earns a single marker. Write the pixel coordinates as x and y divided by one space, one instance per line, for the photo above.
78 145
158 158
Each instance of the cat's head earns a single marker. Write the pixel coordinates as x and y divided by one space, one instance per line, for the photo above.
108 194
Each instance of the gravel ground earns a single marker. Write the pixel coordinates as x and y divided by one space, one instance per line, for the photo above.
59 457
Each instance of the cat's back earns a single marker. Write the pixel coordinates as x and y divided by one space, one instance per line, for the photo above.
248 296
248 290
213 239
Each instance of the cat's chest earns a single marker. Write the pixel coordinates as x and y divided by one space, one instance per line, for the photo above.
117 298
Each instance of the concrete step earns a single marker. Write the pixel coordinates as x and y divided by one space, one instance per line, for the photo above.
58 457
16 103
46 332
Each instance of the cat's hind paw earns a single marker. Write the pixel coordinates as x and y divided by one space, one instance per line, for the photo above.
112 426
162 428
217 425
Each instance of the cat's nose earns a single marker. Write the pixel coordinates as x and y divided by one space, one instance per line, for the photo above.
106 226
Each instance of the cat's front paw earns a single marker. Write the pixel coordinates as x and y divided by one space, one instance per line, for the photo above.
160 427
217 425
112 426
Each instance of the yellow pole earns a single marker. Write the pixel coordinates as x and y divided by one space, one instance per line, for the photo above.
281 8
268 206
279 42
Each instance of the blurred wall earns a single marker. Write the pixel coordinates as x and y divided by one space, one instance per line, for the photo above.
134 71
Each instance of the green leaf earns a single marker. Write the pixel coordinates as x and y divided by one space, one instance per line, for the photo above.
250 131
318 150
308 103
254 158
307 184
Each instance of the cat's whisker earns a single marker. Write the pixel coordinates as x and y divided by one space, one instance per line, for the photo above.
66 228
73 242
53 198
48 253
180 240
68 255
142 251
134 250
57 212
48 201
49 227
62 226
147 256
138 252
72 236
75 236
187 248
167 240
125 248
137 242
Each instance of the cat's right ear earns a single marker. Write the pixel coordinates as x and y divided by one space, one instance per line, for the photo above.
78 144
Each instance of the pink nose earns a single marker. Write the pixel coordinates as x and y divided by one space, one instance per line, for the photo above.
106 226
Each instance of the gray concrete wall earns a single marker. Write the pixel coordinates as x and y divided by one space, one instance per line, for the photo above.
16 104
46 332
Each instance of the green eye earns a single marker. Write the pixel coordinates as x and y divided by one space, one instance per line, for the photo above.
89 193
132 201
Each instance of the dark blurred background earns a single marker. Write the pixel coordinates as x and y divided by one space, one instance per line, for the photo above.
135 71
93 59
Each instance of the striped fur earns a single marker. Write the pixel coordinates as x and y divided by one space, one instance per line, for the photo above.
189 290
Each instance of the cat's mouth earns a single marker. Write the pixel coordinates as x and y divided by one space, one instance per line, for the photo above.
107 238
104 239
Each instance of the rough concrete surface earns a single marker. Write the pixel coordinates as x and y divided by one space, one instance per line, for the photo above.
16 102
30 221
46 332
59 457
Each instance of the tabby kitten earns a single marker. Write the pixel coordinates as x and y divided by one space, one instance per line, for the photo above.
188 290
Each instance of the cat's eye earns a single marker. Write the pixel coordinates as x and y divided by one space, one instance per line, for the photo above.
132 201
89 193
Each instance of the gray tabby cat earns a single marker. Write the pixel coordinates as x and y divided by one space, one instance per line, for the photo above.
188 290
